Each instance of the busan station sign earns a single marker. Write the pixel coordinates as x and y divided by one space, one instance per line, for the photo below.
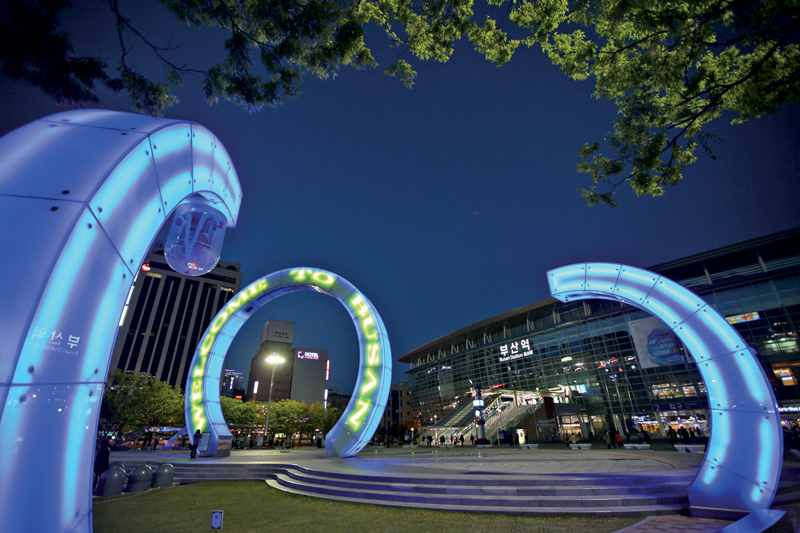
363 414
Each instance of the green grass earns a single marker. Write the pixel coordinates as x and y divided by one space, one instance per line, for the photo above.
252 506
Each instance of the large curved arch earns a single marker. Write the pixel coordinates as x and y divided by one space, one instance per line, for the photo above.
363 413
82 196
742 464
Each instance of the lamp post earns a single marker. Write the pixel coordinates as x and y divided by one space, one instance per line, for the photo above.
273 360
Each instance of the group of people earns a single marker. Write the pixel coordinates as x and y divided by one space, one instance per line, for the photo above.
454 440
615 439
685 436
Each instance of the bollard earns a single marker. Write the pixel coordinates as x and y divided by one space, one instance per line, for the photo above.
111 482
140 479
162 478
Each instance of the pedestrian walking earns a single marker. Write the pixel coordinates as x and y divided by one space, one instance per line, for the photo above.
441 440
618 438
472 439
461 438
156 442
607 439
195 443
430 439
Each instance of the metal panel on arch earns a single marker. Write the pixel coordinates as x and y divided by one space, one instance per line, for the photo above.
742 464
82 196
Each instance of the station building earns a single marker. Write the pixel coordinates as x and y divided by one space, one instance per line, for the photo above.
560 368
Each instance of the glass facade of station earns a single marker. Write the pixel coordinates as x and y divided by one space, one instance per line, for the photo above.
585 353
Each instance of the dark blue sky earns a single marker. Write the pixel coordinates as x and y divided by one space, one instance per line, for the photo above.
444 204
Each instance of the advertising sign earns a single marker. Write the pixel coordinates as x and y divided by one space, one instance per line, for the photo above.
655 343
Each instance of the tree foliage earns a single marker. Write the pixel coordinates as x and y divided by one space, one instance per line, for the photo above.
237 412
670 67
134 400
290 417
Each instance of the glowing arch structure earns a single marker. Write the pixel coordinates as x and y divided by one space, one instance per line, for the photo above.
363 413
82 196
742 464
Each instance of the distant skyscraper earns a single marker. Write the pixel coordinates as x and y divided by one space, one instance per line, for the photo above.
301 377
166 314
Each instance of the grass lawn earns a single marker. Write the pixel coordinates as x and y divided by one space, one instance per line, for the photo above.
254 506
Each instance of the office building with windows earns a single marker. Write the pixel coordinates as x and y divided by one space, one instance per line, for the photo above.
600 363
397 419
301 377
166 314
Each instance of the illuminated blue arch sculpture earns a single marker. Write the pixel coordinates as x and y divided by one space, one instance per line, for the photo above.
82 196
363 413
742 464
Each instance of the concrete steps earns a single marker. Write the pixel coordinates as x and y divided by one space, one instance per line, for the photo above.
534 494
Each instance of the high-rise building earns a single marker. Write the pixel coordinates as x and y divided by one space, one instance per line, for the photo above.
166 314
276 339
301 377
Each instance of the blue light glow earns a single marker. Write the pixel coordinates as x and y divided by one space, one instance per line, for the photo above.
766 439
121 180
52 306
171 139
569 278
80 294
730 374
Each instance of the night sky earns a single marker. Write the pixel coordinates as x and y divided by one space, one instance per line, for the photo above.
444 204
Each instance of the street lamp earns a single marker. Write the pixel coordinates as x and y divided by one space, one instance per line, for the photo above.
273 360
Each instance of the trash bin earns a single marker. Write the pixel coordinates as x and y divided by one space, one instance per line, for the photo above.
111 482
163 476
140 479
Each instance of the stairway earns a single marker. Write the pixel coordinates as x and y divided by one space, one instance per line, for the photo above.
607 495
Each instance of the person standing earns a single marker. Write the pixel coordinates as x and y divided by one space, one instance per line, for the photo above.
101 459
472 439
195 443
672 435
618 438
441 440
607 439
461 438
